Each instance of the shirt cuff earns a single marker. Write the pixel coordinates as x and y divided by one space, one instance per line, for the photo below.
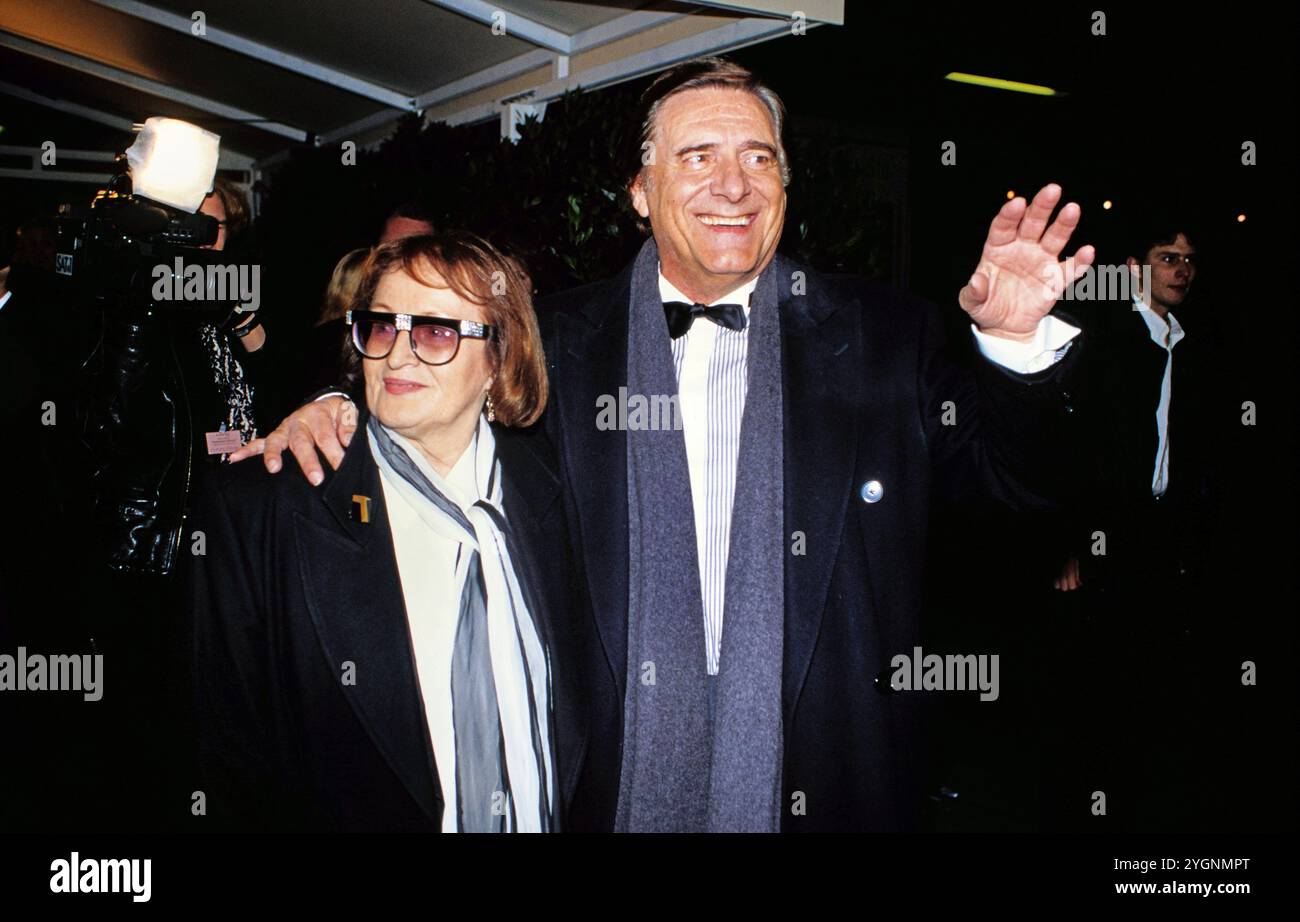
326 394
1051 341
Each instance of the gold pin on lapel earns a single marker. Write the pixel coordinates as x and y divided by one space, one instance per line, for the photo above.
361 508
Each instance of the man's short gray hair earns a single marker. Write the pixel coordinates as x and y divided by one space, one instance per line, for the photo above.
704 73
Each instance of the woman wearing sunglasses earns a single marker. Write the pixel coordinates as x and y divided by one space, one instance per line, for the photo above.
380 652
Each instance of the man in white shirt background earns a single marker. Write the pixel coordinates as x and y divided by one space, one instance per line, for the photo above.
1153 419
1145 417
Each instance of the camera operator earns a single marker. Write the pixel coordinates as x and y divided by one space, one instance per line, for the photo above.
161 392
166 395
226 203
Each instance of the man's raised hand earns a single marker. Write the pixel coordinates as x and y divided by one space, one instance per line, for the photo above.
1020 275
325 424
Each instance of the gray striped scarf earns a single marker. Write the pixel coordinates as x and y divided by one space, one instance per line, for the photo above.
500 669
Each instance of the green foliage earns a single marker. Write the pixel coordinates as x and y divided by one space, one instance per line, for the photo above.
556 199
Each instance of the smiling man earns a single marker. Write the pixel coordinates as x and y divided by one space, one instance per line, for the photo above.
714 190
750 575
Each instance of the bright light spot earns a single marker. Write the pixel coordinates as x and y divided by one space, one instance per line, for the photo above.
1011 193
997 83
1107 204
173 162
1241 219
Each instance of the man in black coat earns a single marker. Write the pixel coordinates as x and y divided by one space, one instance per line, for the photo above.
861 418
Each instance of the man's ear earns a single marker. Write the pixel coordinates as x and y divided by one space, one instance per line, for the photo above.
637 193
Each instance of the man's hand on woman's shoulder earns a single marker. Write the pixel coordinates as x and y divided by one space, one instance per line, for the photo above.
326 424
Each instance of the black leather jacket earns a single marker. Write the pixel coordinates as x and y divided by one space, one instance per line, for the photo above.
147 399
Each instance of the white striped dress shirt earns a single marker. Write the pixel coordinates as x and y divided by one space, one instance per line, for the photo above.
711 384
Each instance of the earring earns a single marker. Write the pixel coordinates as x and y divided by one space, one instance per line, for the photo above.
491 414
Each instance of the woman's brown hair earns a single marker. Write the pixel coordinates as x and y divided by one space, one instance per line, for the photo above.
478 272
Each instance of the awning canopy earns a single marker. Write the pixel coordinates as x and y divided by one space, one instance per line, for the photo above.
267 76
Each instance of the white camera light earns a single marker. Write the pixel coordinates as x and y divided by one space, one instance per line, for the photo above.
173 162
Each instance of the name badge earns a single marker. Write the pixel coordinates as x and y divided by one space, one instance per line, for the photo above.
223 443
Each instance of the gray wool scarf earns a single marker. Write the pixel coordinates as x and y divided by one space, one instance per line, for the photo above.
688 767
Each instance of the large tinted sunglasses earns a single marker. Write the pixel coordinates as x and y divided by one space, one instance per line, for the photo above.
434 340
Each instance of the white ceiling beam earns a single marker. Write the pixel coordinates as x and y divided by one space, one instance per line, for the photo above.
480 113
146 85
715 41
273 159
228 158
362 126
234 160
261 52
56 175
726 38
513 24
120 122
827 11
497 73
102 156
35 170
621 27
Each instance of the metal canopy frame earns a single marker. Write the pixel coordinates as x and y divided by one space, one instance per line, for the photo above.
144 84
261 52
553 52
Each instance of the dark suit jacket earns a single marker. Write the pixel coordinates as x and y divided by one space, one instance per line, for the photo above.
866 387
291 589
1120 378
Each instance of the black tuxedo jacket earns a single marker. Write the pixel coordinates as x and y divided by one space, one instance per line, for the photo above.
293 588
867 389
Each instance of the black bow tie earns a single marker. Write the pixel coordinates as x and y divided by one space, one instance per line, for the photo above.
681 315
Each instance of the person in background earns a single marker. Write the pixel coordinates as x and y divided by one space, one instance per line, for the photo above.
227 203
1148 381
172 382
408 219
1143 533
326 343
